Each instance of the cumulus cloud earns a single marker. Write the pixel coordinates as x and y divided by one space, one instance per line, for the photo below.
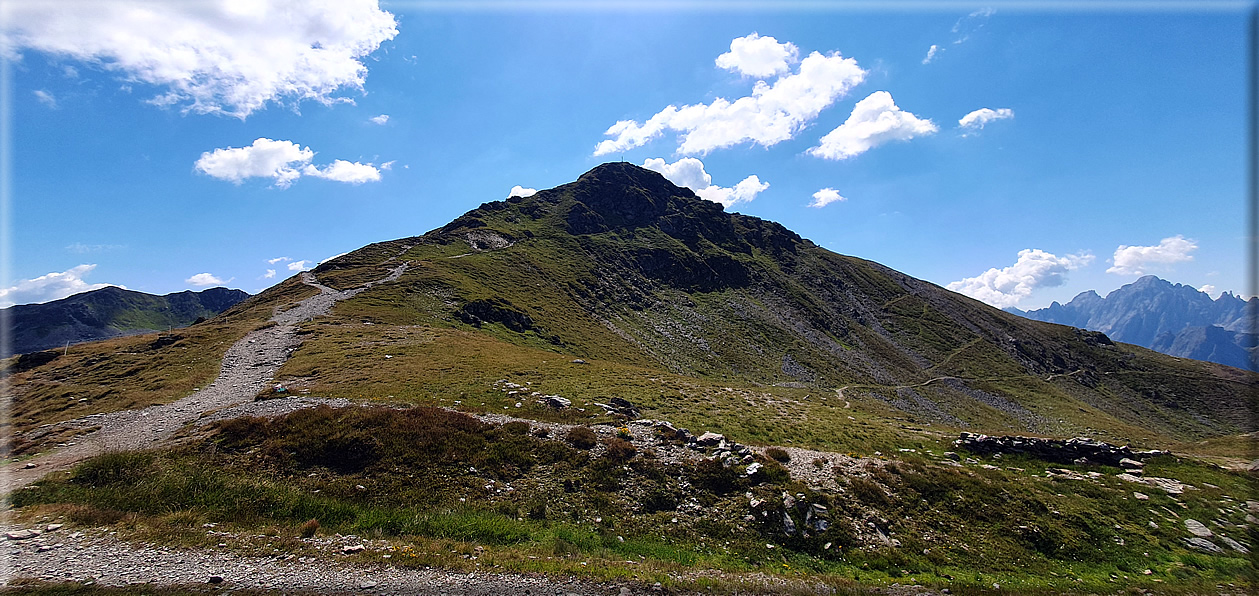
278 260
771 114
874 121
520 191
689 172
298 266
204 279
760 57
1034 269
45 98
825 197
282 161
52 286
931 54
219 56
269 274
344 171
1207 289
978 118
381 119
1137 260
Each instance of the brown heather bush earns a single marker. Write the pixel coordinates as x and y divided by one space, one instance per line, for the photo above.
778 454
582 437
309 528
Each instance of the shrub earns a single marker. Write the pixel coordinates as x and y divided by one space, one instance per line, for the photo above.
778 454
516 428
309 528
620 449
582 437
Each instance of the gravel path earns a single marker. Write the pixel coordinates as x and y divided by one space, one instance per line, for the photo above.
99 557
248 367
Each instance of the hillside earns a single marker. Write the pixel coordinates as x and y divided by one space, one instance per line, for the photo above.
1171 318
615 381
624 267
111 312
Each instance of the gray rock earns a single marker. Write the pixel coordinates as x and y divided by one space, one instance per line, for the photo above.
1204 545
789 526
558 402
215 579
709 438
350 549
753 468
21 534
1141 496
1235 545
1196 528
1130 463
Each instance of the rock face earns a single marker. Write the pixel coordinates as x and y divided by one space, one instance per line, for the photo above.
1077 450
111 312
1171 318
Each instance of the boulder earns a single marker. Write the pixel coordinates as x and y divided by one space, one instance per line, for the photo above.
1197 528
709 438
1204 545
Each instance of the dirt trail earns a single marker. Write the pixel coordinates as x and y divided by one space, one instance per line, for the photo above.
248 366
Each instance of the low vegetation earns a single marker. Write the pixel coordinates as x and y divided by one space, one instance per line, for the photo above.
426 481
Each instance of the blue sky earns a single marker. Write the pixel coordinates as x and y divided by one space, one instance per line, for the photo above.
171 146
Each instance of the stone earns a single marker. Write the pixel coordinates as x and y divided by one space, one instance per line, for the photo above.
1196 528
20 534
53 527
1140 496
789 526
1130 463
1153 526
709 438
215 579
350 549
1235 545
1204 545
367 585
558 402
753 468
952 455
578 361
1171 487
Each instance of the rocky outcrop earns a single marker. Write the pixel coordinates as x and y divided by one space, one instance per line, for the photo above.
1080 450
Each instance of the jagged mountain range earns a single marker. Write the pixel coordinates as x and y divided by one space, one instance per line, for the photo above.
111 312
1172 318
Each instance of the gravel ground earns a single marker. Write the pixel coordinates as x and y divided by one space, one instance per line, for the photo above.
100 558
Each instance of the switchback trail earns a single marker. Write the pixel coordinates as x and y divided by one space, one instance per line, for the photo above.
248 366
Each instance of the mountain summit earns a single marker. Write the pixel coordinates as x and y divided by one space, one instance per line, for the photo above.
622 265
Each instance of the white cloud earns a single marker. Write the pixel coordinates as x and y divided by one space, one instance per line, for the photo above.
388 165
223 56
770 115
80 248
282 161
760 57
53 286
381 119
269 274
520 191
874 121
689 172
278 260
1034 269
344 171
1136 260
298 266
45 98
1207 289
978 118
825 197
931 54
204 279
